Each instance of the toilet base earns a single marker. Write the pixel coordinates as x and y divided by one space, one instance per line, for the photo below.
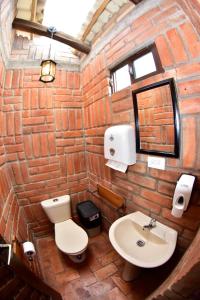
78 258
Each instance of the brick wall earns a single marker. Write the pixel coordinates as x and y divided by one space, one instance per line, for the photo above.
7 13
32 52
13 220
43 140
41 134
145 189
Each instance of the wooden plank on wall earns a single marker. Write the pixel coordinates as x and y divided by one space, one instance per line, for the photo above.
113 198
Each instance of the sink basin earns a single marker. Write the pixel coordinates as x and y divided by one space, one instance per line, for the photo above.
145 248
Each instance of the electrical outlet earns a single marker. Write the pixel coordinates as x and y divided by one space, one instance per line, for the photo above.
156 162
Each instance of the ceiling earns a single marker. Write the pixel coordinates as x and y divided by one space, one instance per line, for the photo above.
87 26
32 10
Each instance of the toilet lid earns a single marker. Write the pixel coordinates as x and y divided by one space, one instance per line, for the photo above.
70 237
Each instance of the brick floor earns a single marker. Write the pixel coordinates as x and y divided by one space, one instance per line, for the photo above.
99 277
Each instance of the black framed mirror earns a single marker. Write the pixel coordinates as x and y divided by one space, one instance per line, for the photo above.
157 121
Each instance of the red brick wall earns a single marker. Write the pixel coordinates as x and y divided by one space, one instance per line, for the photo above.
7 14
146 189
43 141
11 217
24 49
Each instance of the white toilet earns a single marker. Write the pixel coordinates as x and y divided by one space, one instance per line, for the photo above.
70 238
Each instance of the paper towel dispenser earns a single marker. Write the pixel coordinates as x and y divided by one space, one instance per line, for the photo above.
119 147
182 194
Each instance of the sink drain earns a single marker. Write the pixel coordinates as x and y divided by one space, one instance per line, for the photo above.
140 243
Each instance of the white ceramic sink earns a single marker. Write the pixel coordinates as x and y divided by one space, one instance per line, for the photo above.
159 242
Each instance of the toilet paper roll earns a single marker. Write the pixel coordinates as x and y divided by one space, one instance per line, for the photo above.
117 165
29 249
177 211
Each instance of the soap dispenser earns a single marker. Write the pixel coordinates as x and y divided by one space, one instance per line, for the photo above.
182 194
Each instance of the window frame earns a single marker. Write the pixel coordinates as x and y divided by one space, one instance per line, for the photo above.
130 60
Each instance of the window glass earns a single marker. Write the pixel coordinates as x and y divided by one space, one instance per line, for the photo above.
121 78
140 65
144 65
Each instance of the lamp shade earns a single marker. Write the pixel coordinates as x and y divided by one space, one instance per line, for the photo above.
48 70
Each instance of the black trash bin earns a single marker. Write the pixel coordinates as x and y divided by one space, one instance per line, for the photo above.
90 217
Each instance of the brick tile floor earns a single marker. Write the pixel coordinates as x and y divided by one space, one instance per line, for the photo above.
99 277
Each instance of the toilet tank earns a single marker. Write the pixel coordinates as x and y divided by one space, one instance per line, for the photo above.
57 209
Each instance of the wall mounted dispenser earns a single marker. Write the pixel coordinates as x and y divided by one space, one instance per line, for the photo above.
182 194
29 250
119 147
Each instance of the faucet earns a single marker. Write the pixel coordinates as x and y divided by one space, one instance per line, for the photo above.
151 224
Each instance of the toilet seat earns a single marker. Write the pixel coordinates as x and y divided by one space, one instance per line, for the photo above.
70 237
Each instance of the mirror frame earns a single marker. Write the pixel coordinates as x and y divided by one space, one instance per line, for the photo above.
176 118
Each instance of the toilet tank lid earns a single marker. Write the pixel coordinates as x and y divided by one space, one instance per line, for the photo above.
55 202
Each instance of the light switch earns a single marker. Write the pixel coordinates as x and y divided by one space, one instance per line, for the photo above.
156 162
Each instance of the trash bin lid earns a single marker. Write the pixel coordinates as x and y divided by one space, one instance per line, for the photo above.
87 209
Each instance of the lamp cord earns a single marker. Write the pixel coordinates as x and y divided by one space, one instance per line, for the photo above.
51 30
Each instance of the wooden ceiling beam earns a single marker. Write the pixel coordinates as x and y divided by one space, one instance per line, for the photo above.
33 10
36 28
33 13
95 17
136 1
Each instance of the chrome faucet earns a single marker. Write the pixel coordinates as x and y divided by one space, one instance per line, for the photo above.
151 224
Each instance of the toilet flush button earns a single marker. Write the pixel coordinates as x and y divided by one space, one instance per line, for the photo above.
55 200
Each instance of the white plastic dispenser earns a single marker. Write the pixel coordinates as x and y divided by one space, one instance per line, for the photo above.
182 194
119 147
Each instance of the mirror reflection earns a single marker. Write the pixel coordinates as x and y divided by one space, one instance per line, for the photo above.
156 117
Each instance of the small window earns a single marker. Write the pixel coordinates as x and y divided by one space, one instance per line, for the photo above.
141 65
122 78
144 65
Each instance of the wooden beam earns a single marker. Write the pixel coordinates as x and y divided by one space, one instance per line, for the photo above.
33 10
33 13
95 18
36 28
136 1
113 198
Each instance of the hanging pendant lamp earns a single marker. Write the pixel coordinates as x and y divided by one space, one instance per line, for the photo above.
48 66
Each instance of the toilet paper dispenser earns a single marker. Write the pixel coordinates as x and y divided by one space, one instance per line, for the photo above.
182 194
119 147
